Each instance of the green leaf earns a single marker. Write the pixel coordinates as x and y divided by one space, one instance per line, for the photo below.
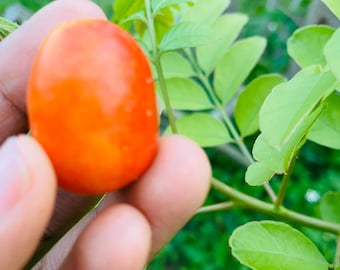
203 128
163 23
250 101
184 35
257 174
176 65
290 103
236 65
123 9
326 130
157 5
275 160
332 53
279 160
6 27
330 207
140 15
269 245
185 94
306 45
334 6
206 11
225 30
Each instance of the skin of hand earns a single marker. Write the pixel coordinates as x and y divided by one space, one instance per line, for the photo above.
130 226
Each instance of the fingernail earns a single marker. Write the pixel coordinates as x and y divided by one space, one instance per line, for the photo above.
14 176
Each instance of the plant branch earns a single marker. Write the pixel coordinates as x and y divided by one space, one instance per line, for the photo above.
234 133
157 61
285 181
247 202
225 206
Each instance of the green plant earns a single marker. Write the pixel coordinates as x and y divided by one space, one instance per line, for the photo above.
200 66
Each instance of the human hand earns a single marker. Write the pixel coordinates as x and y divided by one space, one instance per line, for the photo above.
129 226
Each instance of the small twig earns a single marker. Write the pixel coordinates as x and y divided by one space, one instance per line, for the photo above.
245 201
158 66
225 206
284 186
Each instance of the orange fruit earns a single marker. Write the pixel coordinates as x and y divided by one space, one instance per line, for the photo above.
91 104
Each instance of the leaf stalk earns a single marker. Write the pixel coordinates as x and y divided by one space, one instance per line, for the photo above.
284 186
157 61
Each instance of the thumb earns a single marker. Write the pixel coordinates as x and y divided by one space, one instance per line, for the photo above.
27 195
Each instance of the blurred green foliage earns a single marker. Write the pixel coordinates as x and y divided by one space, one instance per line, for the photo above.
34 5
203 242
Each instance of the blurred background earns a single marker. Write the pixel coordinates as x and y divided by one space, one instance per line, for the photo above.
203 243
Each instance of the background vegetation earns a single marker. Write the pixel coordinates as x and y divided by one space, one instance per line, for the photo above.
202 244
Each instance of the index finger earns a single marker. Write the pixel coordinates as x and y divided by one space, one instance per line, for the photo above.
16 56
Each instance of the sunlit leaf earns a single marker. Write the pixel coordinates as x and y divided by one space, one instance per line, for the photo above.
332 53
236 65
334 6
275 160
206 11
157 5
225 30
290 103
203 128
185 35
257 174
330 207
185 94
140 15
163 23
175 65
306 45
123 9
269 245
250 101
279 160
326 130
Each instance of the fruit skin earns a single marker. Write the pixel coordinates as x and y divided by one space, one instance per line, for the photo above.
91 104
